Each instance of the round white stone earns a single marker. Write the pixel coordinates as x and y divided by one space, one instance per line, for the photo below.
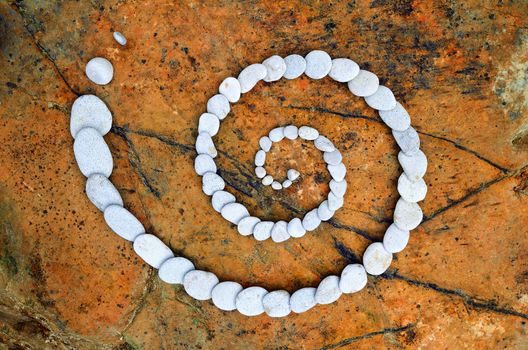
408 140
395 240
276 68
277 303
174 269
323 212
407 216
338 187
262 230
364 84
260 172
286 183
303 300
230 88
246 225
296 228
250 76
249 301
276 185
382 100
323 144
311 220
337 172
265 143
205 145
295 66
90 111
234 212
99 70
335 202
209 123
212 182
219 106
276 134
267 180
279 232
396 118
260 158
343 70
333 158
92 153
123 222
353 278
411 191
293 174
414 165
204 163
199 284
318 64
101 192
220 199
328 290
120 38
291 132
376 259
152 250
308 133
224 295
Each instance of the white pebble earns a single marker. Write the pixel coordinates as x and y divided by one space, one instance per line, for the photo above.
209 123
308 133
407 216
267 180
279 232
323 144
204 163
262 230
205 145
224 295
99 70
318 64
295 228
337 172
414 165
101 192
323 212
212 182
276 185
220 199
90 111
395 240
303 300
265 143
250 76
328 290
276 68
408 140
311 220
353 278
396 118
333 158
174 269
295 66
293 174
338 187
123 222
277 303
92 153
382 100
249 301
152 250
199 284
364 84
335 202
276 134
230 88
376 259
260 172
411 191
260 158
219 106
234 212
286 183
291 132
343 70
246 225
120 38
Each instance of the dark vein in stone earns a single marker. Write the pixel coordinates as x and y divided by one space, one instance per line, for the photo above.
339 114
356 230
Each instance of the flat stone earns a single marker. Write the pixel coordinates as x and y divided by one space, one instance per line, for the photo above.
328 290
249 301
291 132
209 123
212 182
277 303
219 106
99 70
343 70
260 172
408 140
303 300
323 212
323 144
267 180
101 192
220 199
246 225
337 172
90 111
265 143
353 278
276 185
174 269
286 183
414 165
250 76
382 100
199 284
338 187
205 145
335 202
262 230
204 163
407 216
295 66
230 88
396 118
395 240
333 158
152 250
260 158
276 68
308 133
376 259
293 174
279 232
224 295
411 191
123 222
318 64
364 84
234 212
120 38
276 134
311 220
92 153
296 228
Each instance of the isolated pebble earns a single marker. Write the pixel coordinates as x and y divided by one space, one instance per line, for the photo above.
265 143
382 100
295 66
286 183
219 106
123 222
335 202
318 64
303 300
279 232
230 88
250 76
323 212
209 123
411 191
246 225
414 165
337 172
101 192
99 70
92 153
234 212
323 144
338 187
276 68
328 290
90 111
249 301
293 174
260 158
199 284
260 172
343 70
120 38
174 269
291 132
364 84
407 216
333 158
212 182
276 134
408 140
220 199
396 118
276 185
353 278
267 180
152 250
308 133
277 303
204 163
262 230
395 240
311 220
224 295
296 228
205 145
376 259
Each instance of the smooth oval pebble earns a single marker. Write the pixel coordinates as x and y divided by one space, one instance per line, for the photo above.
90 111
295 228
219 106
99 70
311 220
286 183
335 202
204 163
395 240
303 300
277 303
234 212
343 70
293 174
251 75
262 230
260 172
323 144
408 140
279 232
152 250
276 134
333 158
414 165
276 68
338 187
308 133
224 295
212 182
230 88
291 132
260 158
295 66
376 259
382 100
337 172
123 222
199 284
328 290
209 123
411 191
353 278
364 84
174 269
407 216
267 180
205 145
101 192
120 38
92 153
246 225
249 301
265 143
220 199
318 64
396 118
324 212
276 185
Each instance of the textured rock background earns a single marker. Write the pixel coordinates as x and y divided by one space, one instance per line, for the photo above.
460 68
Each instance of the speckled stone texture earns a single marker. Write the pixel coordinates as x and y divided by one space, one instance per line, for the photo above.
459 68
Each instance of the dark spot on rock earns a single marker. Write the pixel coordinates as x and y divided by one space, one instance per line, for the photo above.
11 85
330 26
